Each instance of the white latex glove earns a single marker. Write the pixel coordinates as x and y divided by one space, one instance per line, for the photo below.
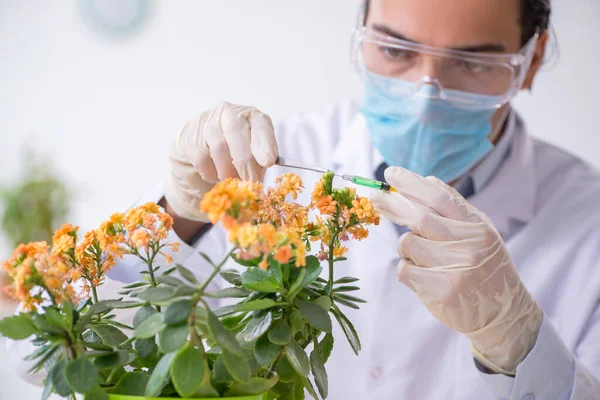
228 141
456 263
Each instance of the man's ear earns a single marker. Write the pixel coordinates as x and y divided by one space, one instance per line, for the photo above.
536 62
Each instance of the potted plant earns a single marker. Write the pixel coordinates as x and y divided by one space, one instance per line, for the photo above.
272 342
32 207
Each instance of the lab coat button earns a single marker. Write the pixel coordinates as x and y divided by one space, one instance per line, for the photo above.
528 396
375 373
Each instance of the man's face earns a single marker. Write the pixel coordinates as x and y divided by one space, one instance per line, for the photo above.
489 26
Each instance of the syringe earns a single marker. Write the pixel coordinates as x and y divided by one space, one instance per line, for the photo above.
357 180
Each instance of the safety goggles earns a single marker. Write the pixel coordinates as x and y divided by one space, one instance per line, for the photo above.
401 67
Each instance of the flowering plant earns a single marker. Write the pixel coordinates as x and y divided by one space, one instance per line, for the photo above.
177 345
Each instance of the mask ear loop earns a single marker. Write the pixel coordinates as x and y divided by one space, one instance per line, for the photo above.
500 127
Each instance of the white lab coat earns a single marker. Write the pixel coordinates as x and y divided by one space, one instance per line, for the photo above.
544 201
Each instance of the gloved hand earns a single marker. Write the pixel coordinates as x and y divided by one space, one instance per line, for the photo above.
456 263
228 141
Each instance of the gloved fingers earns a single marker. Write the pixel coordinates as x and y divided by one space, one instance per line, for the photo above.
405 211
262 139
457 255
195 151
236 130
220 153
432 194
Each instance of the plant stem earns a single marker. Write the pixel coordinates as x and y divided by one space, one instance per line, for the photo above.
94 294
216 270
330 259
279 357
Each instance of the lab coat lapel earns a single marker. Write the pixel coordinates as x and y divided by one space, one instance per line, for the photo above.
510 195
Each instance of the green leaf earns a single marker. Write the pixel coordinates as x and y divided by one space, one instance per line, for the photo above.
47 388
324 302
173 337
160 376
96 394
145 347
177 312
232 277
82 375
132 384
112 360
124 304
298 358
237 366
266 352
220 373
252 305
17 327
232 292
346 279
314 315
309 387
109 334
157 294
348 329
135 285
248 263
142 314
39 352
256 327
187 275
150 327
57 377
345 289
348 298
255 386
260 281
346 303
296 321
170 280
68 312
281 333
285 370
206 391
326 345
187 370
317 365
297 285
223 336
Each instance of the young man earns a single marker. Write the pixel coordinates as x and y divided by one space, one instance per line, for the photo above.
509 277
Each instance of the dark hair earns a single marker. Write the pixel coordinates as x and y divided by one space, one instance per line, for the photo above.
535 17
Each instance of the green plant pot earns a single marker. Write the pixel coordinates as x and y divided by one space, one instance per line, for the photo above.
124 397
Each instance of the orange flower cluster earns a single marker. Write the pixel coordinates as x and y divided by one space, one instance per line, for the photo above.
262 224
35 268
344 215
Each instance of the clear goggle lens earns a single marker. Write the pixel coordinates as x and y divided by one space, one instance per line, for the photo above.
451 71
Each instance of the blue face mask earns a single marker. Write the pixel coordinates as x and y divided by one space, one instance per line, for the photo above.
428 135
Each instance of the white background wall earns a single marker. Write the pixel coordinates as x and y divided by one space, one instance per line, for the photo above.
105 111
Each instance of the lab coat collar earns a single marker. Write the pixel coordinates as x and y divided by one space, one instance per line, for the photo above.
509 195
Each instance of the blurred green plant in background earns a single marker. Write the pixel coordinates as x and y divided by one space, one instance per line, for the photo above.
35 204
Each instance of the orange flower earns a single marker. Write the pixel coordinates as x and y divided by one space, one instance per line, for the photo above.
283 254
339 251
364 210
358 232
140 238
326 205
289 184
